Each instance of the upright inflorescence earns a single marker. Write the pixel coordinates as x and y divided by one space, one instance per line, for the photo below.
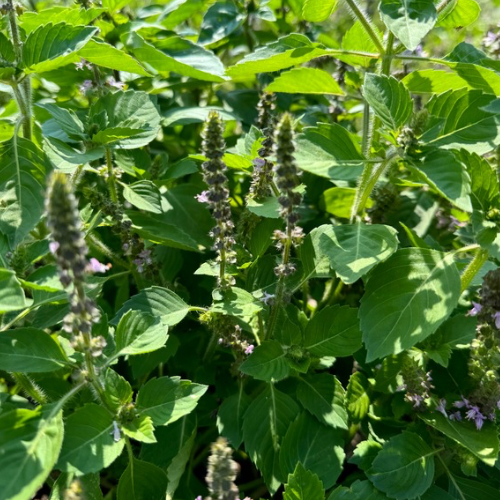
262 167
491 42
287 179
417 383
70 251
217 195
222 472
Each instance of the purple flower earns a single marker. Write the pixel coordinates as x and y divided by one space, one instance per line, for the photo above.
267 297
476 415
249 349
94 266
86 86
496 317
498 404
83 64
53 246
259 163
475 310
461 404
203 197
199 497
456 416
441 407
113 83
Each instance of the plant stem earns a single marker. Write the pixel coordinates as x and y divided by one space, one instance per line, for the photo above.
111 176
366 23
23 109
387 59
29 387
473 268
366 130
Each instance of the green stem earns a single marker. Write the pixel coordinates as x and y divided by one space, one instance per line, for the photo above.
29 387
23 109
387 59
366 130
473 268
366 23
14 31
111 176
443 5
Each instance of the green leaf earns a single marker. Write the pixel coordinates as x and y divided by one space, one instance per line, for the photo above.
354 249
6 49
22 188
459 14
360 490
318 447
220 20
143 195
357 397
290 50
54 45
264 207
264 425
314 262
330 151
11 293
334 331
404 468
176 55
357 39
142 481
88 441
141 429
30 441
389 98
267 362
230 417
239 303
409 20
365 453
66 119
186 116
303 485
472 489
317 11
157 301
166 399
338 201
117 390
131 112
484 445
323 395
65 486
138 333
107 56
30 21
30 350
305 81
406 300
444 172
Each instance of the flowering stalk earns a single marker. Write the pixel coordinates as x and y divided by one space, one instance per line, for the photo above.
217 195
222 472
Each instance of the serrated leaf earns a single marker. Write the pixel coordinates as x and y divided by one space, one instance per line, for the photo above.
53 45
30 350
357 398
66 119
230 417
237 302
318 447
389 99
30 441
176 55
143 195
354 249
166 399
30 21
305 81
404 468
360 490
323 396
264 425
303 485
317 11
484 445
267 362
334 331
11 293
157 301
406 300
409 20
142 480
88 444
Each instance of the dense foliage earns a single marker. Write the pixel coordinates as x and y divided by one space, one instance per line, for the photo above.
249 249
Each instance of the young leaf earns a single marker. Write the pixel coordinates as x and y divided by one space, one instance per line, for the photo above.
305 81
318 447
141 429
11 293
264 425
30 350
157 301
138 333
357 398
267 362
334 331
317 11
404 468
303 485
409 20
406 299
323 395
53 45
30 441
143 195
142 480
166 399
88 444
354 249
389 98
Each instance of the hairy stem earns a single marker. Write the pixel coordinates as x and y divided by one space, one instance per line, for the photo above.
111 176
473 268
29 387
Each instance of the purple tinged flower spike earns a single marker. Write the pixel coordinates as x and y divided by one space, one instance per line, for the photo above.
476 309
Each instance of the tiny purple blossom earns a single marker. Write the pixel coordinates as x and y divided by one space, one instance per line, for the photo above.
456 416
86 86
476 309
259 162
441 407
199 497
113 83
461 404
266 298
53 246
82 65
94 266
496 317
249 349
476 415
203 197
